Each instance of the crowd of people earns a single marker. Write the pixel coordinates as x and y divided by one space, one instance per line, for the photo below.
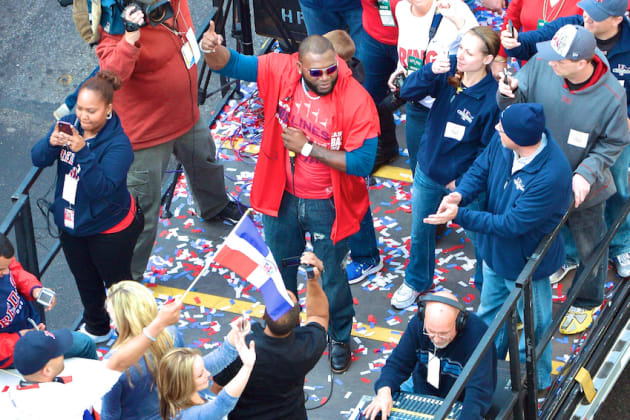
506 132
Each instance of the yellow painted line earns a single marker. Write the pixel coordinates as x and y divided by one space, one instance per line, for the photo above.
220 303
394 172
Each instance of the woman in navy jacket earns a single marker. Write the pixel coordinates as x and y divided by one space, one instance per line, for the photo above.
459 126
98 218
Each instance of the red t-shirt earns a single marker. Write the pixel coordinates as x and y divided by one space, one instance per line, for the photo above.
374 26
313 115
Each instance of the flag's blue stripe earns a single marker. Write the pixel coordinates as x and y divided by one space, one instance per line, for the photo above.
275 304
248 231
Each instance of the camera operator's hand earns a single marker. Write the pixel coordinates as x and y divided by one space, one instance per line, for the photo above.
56 139
133 14
210 40
393 76
311 259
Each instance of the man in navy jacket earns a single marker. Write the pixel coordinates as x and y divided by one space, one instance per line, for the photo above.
434 350
527 179
606 20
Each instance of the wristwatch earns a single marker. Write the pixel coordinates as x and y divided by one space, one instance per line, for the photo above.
307 149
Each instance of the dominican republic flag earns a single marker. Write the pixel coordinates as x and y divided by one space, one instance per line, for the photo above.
246 253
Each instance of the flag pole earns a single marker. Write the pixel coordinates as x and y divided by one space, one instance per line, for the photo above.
210 260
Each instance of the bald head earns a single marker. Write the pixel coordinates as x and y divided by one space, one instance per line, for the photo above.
440 318
316 45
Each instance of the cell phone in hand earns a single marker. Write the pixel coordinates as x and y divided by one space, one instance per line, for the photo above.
65 127
506 77
510 27
46 297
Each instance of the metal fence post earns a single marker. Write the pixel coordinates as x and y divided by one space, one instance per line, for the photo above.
530 351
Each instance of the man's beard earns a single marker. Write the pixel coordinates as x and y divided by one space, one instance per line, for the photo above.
312 87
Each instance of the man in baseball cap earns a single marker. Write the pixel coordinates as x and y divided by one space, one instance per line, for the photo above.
39 354
600 10
571 42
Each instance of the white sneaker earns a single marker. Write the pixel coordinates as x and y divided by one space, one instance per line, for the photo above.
622 263
96 338
404 297
561 273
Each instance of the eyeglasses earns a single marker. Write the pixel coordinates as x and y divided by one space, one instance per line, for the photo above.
320 72
442 336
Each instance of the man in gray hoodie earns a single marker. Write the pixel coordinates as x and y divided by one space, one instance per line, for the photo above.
586 114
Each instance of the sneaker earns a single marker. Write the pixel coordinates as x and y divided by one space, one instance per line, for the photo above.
96 338
562 273
232 212
404 297
622 263
358 271
576 320
61 112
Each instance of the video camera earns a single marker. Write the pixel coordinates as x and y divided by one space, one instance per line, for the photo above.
155 12
393 101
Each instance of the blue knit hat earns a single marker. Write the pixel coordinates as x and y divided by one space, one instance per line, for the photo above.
524 124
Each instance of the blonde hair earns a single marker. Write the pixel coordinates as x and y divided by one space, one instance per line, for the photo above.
175 381
343 44
133 308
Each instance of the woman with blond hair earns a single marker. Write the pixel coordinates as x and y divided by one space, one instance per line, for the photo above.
183 377
131 307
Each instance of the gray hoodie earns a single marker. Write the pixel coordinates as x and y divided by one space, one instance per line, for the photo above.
589 125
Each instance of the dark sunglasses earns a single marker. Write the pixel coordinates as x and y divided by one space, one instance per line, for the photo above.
320 72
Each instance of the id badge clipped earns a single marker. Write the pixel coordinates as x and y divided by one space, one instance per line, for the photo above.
433 371
413 64
68 218
540 23
190 50
69 192
385 12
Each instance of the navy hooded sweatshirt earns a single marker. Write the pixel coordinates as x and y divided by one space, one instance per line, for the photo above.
521 208
102 199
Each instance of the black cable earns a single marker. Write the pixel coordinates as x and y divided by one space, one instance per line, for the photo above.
332 382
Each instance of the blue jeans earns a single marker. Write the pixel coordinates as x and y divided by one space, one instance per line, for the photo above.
379 61
414 129
495 290
82 346
620 244
285 236
426 196
586 228
321 21
363 248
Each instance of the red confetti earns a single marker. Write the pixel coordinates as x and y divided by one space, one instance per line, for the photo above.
366 380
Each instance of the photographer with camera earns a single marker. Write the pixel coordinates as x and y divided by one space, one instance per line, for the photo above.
460 125
157 105
274 393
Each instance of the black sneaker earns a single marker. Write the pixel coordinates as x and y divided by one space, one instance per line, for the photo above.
232 212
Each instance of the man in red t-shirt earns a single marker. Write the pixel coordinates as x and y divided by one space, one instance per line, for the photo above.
319 141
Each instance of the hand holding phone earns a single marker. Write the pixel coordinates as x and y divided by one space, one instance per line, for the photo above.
506 76
510 27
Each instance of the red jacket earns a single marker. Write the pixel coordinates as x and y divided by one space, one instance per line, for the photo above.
21 282
355 120
158 98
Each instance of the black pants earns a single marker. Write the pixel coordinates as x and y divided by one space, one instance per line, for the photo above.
97 262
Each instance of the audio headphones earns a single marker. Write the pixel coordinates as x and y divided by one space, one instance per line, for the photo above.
460 322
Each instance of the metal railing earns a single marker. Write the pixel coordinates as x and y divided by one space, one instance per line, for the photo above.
524 404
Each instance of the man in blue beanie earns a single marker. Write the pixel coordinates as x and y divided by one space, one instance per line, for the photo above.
527 179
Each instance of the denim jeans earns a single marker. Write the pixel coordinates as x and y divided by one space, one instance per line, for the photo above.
285 236
414 129
363 248
320 21
426 196
620 244
495 290
379 61
584 230
82 346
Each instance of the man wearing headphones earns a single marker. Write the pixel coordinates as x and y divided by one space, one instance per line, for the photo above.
434 350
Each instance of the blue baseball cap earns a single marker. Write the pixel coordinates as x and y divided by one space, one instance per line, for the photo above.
572 42
524 123
36 348
602 9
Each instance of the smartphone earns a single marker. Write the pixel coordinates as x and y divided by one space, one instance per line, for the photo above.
65 127
46 296
506 77
510 27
